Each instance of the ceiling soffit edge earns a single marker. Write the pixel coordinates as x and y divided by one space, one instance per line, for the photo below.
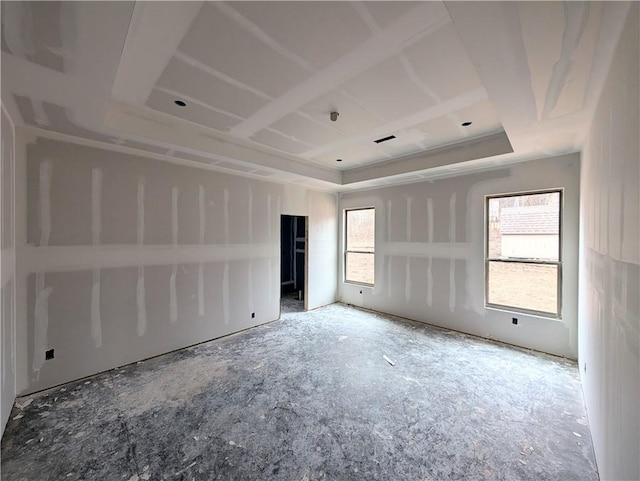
478 148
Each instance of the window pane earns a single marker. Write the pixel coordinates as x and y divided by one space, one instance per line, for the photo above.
361 230
525 226
527 286
359 267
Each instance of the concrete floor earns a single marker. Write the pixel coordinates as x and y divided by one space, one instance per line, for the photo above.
289 303
311 397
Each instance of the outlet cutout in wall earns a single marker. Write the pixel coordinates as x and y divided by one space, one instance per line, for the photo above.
48 354
253 315
514 321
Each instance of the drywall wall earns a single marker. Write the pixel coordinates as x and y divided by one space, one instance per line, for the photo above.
7 272
126 257
430 253
609 306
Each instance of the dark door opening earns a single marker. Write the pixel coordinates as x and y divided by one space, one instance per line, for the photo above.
293 258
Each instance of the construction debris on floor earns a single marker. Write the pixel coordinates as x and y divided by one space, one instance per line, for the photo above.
313 396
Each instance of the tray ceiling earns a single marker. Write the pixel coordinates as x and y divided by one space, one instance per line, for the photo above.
260 79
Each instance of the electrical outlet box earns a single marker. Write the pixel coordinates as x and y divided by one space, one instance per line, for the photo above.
514 321
48 354
253 315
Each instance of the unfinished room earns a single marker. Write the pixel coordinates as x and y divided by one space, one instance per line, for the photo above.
320 240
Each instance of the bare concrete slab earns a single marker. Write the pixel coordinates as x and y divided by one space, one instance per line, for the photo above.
309 397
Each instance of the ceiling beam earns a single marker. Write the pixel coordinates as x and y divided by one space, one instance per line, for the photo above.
408 29
156 30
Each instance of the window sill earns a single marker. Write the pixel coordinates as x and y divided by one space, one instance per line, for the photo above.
359 284
523 312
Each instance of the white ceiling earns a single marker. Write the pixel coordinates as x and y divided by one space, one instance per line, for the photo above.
260 80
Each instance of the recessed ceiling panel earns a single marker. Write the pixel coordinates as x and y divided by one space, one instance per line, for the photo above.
441 62
185 79
195 113
387 90
352 156
483 116
280 142
560 65
443 130
318 32
406 142
353 119
448 129
385 13
308 131
223 45
573 95
32 30
544 45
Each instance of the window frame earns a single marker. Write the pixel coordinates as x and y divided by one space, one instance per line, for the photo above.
487 260
347 251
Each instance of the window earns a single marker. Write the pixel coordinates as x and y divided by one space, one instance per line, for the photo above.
360 246
523 258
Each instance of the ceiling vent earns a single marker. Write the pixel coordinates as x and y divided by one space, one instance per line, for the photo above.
384 139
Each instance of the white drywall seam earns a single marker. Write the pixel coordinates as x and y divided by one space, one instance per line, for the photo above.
225 293
141 303
173 294
96 227
225 275
39 115
41 315
407 267
250 267
452 261
73 258
201 238
175 192
270 239
430 258
407 279
41 312
46 173
96 323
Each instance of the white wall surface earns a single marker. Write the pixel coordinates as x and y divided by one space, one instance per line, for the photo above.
430 240
122 257
609 309
7 273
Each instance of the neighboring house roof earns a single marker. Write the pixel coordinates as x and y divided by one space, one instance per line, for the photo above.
530 219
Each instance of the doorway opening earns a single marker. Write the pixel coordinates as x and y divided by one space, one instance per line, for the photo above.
293 263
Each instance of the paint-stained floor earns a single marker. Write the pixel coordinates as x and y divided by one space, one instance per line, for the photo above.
311 397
